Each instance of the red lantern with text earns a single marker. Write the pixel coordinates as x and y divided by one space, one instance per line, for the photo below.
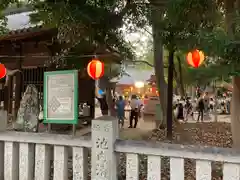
195 58
95 69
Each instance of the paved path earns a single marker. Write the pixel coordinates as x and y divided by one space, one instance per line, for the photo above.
220 118
125 133
146 125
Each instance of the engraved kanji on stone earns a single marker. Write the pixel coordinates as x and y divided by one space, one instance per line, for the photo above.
54 104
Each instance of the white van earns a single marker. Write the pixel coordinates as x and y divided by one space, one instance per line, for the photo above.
151 101
150 105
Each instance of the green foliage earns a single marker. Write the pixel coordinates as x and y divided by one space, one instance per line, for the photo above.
222 46
89 26
222 55
191 24
3 26
3 19
98 21
185 19
8 3
80 61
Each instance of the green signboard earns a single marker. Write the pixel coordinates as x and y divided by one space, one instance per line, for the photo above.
236 73
61 97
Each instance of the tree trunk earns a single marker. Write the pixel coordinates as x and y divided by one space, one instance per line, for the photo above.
110 101
178 83
156 15
235 113
105 84
170 94
182 89
179 79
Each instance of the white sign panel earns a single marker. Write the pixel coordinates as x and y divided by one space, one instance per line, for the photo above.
60 96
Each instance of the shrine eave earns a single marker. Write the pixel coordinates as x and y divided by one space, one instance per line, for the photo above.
27 33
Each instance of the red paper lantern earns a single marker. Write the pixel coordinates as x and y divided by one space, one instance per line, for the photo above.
95 69
195 58
3 71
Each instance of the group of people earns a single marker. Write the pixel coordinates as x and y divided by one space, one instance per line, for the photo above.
203 105
183 108
118 109
225 105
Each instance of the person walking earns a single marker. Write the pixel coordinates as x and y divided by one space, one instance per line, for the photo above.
198 92
120 104
211 105
134 113
206 102
189 110
228 104
180 115
200 109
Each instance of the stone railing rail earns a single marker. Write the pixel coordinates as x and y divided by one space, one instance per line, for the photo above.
27 156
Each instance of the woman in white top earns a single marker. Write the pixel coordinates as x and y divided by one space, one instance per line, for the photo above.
134 113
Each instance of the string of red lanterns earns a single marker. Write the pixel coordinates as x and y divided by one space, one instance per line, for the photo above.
195 58
95 69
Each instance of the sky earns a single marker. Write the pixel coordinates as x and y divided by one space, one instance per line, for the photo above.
18 21
138 40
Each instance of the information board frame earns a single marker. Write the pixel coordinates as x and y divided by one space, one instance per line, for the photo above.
74 119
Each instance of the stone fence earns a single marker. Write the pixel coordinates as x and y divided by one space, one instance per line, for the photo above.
28 156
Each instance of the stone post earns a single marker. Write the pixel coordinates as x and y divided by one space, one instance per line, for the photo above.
3 120
3 127
104 159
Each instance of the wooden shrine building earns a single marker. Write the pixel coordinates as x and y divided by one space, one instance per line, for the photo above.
28 50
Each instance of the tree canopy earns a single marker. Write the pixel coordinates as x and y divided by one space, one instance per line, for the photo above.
97 22
185 25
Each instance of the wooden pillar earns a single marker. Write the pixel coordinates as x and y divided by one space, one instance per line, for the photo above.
50 67
92 99
18 88
6 98
10 94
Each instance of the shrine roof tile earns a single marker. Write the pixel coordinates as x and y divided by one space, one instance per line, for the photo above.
23 33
